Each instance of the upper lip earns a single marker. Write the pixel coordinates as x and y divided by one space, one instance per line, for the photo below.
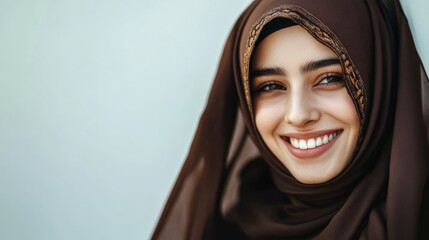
307 135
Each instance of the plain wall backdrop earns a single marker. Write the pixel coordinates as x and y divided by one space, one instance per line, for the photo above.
99 101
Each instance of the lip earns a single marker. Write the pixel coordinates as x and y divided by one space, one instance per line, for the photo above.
312 152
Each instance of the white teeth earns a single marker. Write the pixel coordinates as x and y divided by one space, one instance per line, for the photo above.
319 141
293 142
325 139
312 142
302 144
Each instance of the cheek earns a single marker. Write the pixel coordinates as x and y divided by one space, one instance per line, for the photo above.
340 106
268 116
347 111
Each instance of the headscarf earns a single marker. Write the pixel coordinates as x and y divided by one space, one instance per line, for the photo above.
232 186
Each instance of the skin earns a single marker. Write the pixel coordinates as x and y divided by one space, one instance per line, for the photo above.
294 98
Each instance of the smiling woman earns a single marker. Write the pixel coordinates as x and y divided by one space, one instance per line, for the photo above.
309 131
302 109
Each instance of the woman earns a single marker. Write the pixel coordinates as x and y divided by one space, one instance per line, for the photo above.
335 144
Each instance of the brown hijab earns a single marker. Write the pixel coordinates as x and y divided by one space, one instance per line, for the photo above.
232 187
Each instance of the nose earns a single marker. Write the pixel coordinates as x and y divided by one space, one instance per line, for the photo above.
301 109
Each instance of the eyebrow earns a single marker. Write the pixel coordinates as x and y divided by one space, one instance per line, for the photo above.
267 71
314 65
308 67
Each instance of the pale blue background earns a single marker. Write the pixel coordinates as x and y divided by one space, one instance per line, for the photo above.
98 105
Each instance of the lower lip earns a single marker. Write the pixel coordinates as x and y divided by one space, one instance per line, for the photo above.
311 152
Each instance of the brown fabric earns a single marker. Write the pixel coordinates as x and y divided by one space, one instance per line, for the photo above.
232 187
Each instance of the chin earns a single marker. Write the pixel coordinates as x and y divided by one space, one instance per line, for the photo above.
310 178
313 171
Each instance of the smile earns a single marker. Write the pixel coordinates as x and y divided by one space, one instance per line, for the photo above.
309 145
312 142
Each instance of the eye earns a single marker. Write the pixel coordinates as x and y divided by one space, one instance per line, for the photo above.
269 87
331 79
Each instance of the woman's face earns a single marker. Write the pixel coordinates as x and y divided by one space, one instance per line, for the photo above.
302 109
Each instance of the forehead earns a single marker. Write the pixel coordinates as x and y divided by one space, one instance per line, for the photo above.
289 46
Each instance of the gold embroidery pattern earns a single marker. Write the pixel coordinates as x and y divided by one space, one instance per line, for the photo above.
318 30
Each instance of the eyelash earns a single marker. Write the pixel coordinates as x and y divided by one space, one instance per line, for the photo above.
261 88
335 79
267 87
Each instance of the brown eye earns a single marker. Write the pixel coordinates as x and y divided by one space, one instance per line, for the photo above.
331 79
270 87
